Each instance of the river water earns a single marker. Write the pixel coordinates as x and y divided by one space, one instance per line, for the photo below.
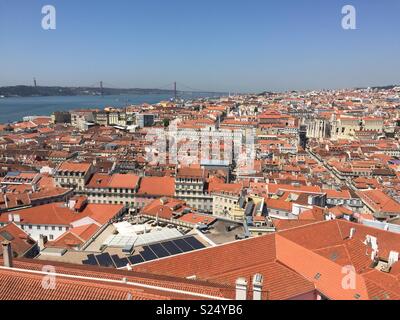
14 109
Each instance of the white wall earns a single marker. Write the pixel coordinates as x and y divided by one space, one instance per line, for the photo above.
35 233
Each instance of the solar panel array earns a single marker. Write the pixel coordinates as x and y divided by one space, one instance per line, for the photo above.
149 253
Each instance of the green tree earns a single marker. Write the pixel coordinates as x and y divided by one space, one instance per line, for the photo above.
166 123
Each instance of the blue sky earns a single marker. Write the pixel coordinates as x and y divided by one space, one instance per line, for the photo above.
226 45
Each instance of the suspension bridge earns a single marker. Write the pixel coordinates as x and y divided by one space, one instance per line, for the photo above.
177 89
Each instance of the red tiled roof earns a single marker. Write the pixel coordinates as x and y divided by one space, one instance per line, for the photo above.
333 194
99 180
197 219
21 242
316 253
157 186
92 283
74 167
115 181
75 237
282 225
274 188
166 210
279 204
124 181
379 201
315 213
188 172
234 188
60 215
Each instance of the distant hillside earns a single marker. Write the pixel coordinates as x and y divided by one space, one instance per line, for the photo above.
30 91
389 87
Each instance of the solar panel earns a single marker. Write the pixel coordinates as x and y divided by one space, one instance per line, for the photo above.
6 235
105 260
148 254
120 263
91 260
171 247
183 245
13 174
136 259
159 250
196 244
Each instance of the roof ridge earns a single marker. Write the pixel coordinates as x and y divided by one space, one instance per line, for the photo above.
119 284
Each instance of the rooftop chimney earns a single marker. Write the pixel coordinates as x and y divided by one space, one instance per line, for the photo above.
7 254
352 232
393 258
257 286
71 204
42 241
241 289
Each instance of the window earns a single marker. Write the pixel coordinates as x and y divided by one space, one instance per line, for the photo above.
51 237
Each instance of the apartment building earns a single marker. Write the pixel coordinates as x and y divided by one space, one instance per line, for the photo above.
190 186
226 200
111 117
379 204
74 175
113 189
343 198
347 127
80 119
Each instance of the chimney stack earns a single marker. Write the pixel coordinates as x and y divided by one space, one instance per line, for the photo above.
42 241
257 286
241 289
352 232
393 258
7 254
